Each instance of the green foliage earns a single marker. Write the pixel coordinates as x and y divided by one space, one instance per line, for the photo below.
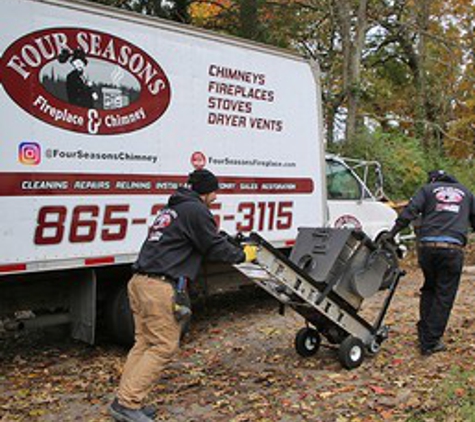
404 161
415 70
453 399
401 157
463 170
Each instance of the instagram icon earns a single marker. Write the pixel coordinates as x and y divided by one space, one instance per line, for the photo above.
29 153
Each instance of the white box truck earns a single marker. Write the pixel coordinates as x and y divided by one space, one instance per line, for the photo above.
104 113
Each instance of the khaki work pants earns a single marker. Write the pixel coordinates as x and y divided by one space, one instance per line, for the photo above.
157 335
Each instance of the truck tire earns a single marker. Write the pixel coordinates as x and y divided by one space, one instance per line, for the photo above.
119 319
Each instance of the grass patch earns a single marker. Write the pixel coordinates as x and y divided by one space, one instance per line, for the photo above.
453 400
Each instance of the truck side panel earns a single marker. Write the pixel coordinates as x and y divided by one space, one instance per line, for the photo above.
85 170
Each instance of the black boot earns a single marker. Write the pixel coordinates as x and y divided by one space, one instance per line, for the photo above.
124 414
150 411
439 347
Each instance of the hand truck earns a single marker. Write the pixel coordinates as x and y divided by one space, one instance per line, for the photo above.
326 278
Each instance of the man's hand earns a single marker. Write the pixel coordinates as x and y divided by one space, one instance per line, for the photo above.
251 252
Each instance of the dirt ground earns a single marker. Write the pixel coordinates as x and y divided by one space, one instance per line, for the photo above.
239 364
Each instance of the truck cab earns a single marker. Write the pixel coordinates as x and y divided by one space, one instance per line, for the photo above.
351 203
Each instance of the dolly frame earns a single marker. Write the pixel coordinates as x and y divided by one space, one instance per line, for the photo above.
291 286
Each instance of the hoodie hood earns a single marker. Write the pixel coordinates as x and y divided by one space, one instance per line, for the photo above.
447 178
182 195
441 176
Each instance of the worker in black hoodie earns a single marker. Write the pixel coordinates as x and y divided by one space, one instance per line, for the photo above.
446 209
182 234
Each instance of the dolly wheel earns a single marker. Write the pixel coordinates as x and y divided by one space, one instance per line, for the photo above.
374 347
307 342
351 353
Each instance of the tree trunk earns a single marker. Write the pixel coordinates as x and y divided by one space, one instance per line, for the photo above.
352 40
181 12
422 121
330 124
354 71
248 19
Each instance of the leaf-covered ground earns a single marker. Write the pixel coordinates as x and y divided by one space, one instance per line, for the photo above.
239 364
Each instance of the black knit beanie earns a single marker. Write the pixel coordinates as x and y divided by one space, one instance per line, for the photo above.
436 176
203 181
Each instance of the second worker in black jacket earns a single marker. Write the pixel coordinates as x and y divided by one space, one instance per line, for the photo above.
183 234
446 209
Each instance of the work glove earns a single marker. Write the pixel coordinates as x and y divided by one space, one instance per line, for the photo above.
390 236
235 240
387 237
251 252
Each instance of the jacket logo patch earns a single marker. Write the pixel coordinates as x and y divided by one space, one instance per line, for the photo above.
449 195
163 220
448 207
85 81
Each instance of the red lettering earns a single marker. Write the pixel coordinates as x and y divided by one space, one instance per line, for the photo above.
110 220
284 215
83 230
248 210
50 232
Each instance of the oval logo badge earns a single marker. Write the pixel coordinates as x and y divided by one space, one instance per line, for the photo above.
449 196
85 81
347 222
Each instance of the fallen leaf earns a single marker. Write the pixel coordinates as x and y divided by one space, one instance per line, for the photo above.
377 390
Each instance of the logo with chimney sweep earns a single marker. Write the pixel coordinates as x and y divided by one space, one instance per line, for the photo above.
85 81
